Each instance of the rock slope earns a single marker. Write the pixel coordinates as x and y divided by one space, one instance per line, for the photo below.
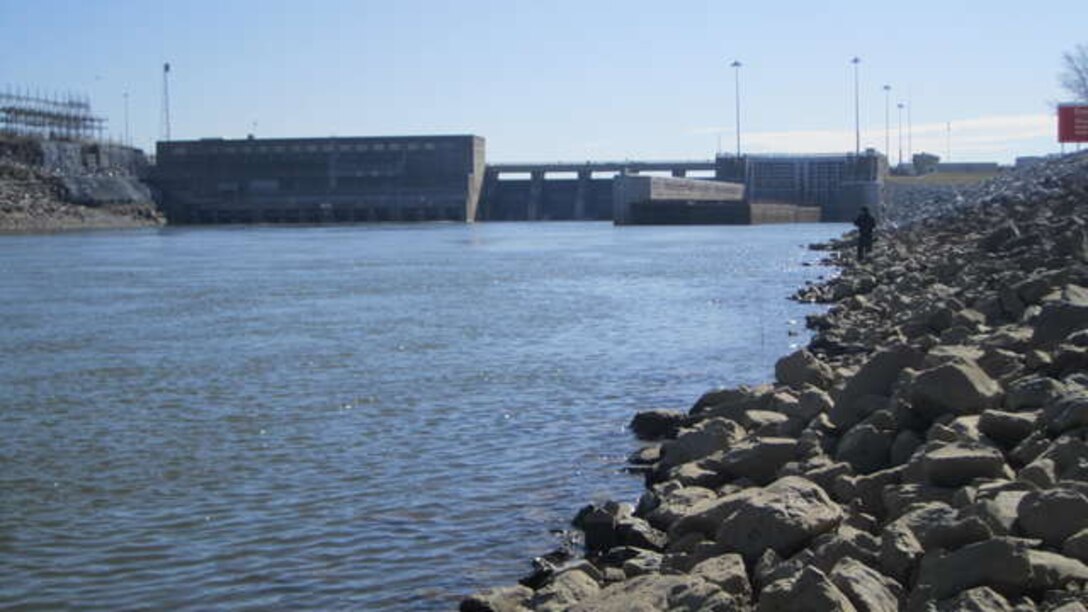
35 199
927 451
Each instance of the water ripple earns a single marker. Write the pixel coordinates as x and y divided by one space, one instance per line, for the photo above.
324 419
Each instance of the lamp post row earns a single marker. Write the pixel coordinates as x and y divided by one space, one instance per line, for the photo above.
736 65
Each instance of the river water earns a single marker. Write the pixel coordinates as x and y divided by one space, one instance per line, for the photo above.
363 417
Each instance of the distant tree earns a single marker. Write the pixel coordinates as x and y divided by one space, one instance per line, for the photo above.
1074 75
924 163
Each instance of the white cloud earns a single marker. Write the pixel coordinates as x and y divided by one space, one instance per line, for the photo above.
999 137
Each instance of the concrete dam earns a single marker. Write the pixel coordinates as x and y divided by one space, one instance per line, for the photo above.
431 178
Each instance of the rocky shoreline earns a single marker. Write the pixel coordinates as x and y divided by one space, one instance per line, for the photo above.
927 451
36 199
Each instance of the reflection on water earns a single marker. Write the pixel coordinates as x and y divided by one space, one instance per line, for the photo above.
370 417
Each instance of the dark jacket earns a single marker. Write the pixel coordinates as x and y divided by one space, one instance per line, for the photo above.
865 224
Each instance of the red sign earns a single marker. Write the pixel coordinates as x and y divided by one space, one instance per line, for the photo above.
1073 123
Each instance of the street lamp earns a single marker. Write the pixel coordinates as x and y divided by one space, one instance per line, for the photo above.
948 142
910 129
128 141
736 90
900 134
857 109
887 120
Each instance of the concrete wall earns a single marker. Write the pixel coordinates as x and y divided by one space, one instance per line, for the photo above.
839 185
768 212
656 200
321 180
849 199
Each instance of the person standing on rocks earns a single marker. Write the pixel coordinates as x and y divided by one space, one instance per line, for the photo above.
865 224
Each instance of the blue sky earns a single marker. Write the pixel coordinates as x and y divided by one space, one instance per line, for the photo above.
561 80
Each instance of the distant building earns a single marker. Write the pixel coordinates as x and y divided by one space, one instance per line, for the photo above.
318 180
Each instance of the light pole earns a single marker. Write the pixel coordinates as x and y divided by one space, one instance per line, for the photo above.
910 130
166 101
857 109
948 142
887 120
128 141
900 134
736 102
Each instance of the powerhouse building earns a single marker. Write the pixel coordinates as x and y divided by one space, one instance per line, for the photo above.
320 180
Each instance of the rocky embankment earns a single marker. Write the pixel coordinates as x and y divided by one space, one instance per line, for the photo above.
927 451
34 198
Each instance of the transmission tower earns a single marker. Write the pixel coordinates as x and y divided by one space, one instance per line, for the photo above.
166 101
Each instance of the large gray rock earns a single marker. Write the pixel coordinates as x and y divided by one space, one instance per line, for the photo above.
956 465
955 387
705 438
1007 428
1051 571
676 504
764 422
598 522
811 591
900 552
631 531
694 474
1032 392
1076 546
813 402
505 599
898 499
655 592
948 353
656 424
825 474
979 599
757 459
1056 321
642 562
1008 565
1053 515
866 492
565 590
782 516
1001 364
826 550
999 512
728 573
1068 454
802 367
999 563
904 445
1030 448
1069 412
865 448
875 378
866 588
725 401
938 525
